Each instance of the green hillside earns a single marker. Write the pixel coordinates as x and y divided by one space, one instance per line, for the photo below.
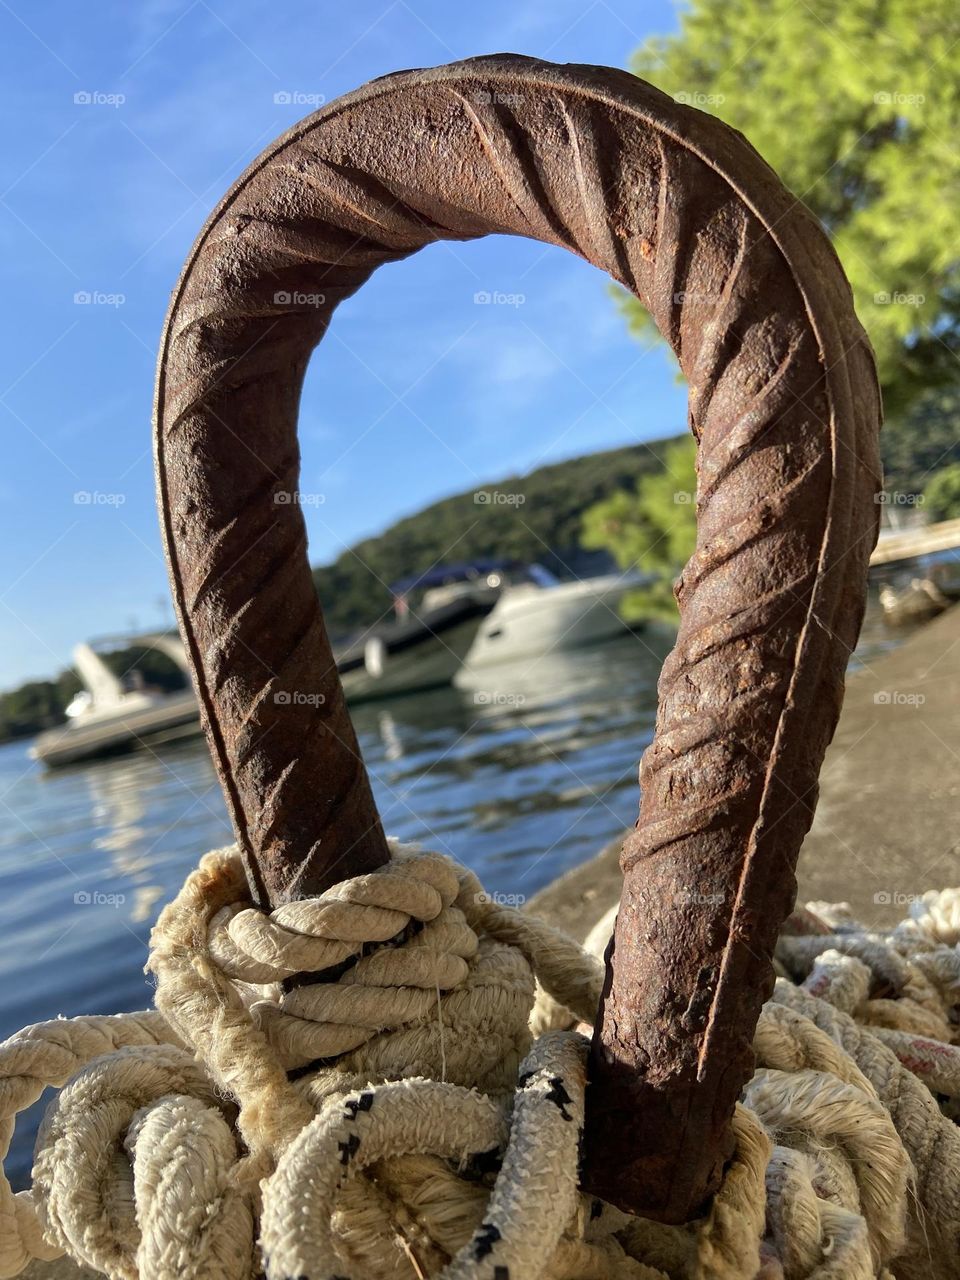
532 517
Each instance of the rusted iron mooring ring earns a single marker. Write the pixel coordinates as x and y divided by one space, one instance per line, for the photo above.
784 403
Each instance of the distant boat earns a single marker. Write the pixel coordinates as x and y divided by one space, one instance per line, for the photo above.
533 612
916 601
473 614
416 651
112 714
421 649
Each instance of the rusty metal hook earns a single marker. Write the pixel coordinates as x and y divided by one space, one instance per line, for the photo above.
784 403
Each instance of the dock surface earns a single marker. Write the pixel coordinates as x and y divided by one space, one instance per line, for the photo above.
926 540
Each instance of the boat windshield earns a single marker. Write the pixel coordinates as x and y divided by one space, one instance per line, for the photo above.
80 703
541 576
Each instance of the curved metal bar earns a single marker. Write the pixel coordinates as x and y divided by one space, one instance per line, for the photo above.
784 403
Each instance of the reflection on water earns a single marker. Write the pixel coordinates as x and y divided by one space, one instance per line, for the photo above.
521 777
527 770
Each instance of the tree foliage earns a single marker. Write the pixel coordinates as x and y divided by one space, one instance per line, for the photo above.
918 444
854 103
37 705
942 495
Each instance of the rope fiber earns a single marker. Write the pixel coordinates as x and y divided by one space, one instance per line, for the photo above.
412 1104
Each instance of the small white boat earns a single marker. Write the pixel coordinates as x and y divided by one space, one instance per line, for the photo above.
111 714
533 611
917 601
422 649
417 651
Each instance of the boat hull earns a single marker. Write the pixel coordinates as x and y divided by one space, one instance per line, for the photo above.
75 741
571 616
427 665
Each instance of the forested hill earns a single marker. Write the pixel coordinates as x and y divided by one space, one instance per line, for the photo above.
531 517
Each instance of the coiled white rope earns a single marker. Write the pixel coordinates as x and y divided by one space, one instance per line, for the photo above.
395 1118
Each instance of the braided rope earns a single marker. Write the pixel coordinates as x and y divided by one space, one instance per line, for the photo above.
433 1136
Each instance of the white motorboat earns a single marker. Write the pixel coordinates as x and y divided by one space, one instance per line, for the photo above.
113 713
534 612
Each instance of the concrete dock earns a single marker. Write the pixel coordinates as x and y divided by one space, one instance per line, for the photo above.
886 827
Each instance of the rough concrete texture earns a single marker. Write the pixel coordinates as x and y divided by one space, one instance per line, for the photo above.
886 825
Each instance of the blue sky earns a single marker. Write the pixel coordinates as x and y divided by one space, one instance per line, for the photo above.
416 393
